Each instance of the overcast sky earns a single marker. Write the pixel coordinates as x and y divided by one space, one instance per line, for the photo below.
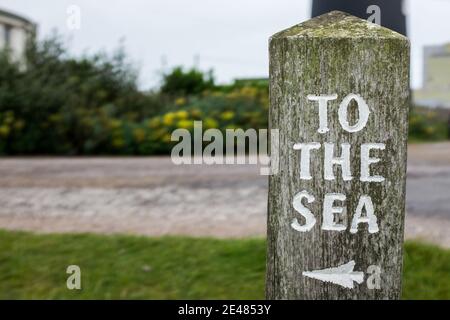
229 36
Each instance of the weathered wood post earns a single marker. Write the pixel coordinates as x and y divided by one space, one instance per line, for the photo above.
339 89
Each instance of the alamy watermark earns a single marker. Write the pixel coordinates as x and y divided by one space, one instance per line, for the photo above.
73 21
375 14
235 147
74 280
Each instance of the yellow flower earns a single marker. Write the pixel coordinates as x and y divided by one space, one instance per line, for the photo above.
180 101
210 123
182 114
168 118
166 138
185 124
154 122
54 117
118 142
227 115
159 133
9 117
4 131
114 123
139 134
249 91
232 95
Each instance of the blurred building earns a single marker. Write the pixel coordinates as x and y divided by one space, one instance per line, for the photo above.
15 30
436 78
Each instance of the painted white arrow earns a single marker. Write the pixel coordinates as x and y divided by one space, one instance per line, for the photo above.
342 275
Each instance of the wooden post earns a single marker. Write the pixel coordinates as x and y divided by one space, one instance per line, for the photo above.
339 91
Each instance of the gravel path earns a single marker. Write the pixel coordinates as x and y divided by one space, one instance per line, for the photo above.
151 196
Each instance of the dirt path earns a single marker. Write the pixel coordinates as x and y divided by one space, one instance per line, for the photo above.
151 196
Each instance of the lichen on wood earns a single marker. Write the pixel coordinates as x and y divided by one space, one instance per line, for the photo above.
337 54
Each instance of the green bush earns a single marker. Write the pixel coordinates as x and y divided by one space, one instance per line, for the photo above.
179 82
92 105
58 104
428 125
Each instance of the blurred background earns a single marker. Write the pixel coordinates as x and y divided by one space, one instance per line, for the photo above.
90 93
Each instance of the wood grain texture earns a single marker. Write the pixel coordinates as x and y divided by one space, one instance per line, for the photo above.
337 53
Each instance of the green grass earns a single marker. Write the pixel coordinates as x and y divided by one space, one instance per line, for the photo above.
127 267
426 272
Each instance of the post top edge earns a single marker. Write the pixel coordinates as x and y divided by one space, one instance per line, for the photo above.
337 24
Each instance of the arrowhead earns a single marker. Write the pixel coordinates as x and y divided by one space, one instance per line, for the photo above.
342 275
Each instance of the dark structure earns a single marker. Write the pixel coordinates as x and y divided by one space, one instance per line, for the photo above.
392 16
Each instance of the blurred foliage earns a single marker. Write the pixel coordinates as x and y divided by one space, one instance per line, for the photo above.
428 125
179 82
58 104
